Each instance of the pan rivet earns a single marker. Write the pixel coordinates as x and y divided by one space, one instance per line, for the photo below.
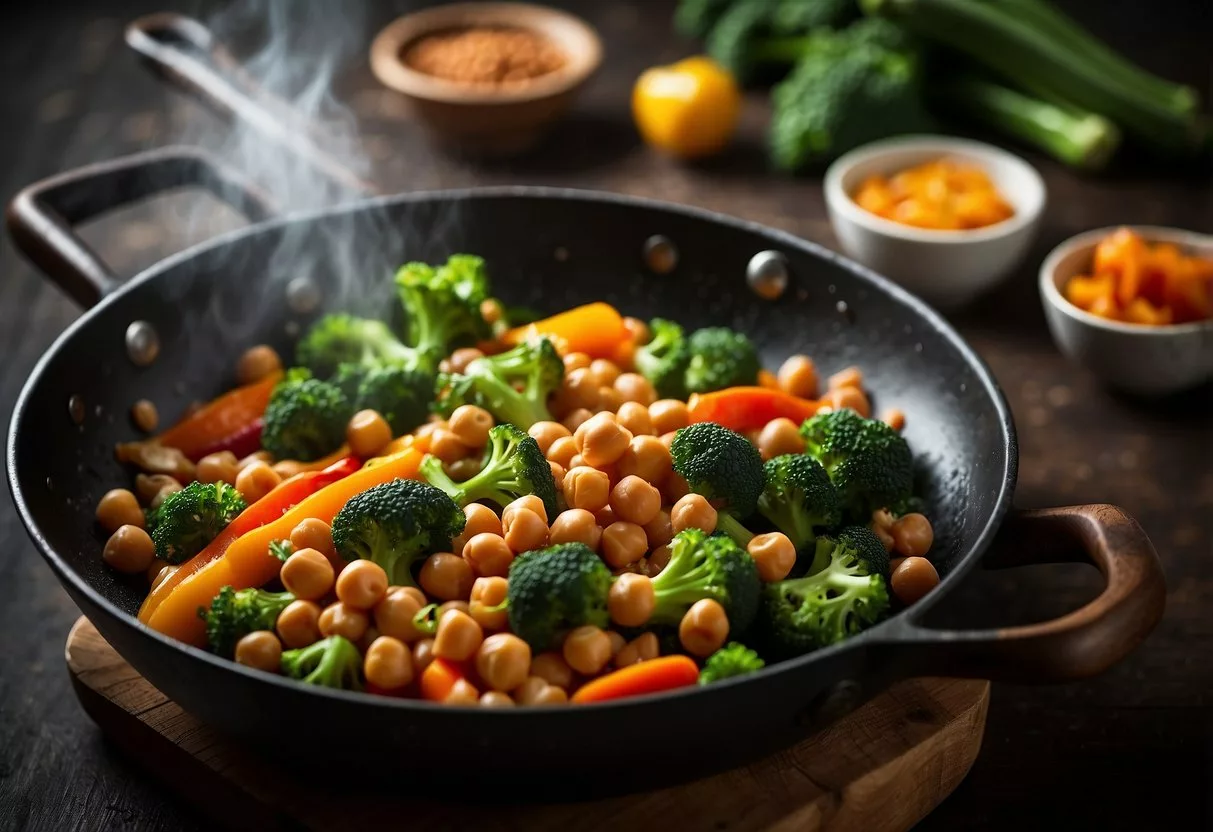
660 254
767 274
75 408
142 343
302 295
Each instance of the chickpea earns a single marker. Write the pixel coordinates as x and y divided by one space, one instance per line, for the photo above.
646 457
471 425
587 650
462 692
545 433
586 488
635 417
446 445
576 361
552 668
913 578
693 512
636 388
609 399
480 519
299 624
576 462
394 614
217 467
145 416
667 439
848 397
503 661
657 560
367 434
659 530
605 372
668 415
423 654
605 516
562 450
575 525
491 310
257 363
536 691
368 638
780 436
798 377
643 648
638 329
601 441
314 533
576 418
773 554
129 549
883 535
704 628
256 480
388 664
488 554
557 470
307 574
623 543
147 486
530 502
260 649
635 501
894 418
341 620
427 430
525 530
163 494
118 508
462 470
488 594
912 535
674 488
618 642
631 600
462 357
850 377
579 390
158 573
254 457
459 636
446 577
362 584
496 699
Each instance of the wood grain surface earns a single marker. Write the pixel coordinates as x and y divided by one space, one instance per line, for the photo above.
1104 753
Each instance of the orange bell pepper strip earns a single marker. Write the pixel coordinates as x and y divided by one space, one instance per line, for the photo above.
749 408
656 675
269 508
223 417
595 329
247 562
438 678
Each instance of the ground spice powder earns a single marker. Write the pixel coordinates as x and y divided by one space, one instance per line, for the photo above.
484 56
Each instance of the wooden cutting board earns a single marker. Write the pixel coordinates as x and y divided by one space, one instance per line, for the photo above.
880 769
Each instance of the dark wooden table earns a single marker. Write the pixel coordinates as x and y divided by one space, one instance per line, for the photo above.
1123 751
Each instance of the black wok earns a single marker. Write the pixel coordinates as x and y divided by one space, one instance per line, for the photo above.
548 248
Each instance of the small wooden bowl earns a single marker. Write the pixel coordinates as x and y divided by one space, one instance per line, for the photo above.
489 121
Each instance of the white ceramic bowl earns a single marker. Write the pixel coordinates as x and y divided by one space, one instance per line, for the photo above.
1144 360
945 268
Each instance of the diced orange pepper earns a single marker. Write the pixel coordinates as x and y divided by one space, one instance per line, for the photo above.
1105 307
1084 291
596 329
1141 311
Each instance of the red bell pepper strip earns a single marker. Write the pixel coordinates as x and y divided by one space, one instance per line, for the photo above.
221 418
243 442
269 508
749 408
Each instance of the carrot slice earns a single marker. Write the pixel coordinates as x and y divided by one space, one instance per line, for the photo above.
438 678
596 329
749 408
653 676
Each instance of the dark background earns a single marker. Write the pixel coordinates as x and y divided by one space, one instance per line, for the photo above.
1129 750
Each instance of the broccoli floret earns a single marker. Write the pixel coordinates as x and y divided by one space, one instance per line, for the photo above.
663 360
734 659
554 590
695 18
396 524
400 395
720 358
513 467
233 615
842 598
759 39
340 339
443 304
281 549
795 17
333 662
305 418
706 566
191 518
849 87
723 466
799 498
514 385
869 463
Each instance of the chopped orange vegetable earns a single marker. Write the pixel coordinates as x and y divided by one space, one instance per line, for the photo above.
653 676
768 379
749 408
1152 284
221 418
943 194
595 329
439 676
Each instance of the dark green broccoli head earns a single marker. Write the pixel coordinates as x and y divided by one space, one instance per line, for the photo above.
233 615
720 358
799 497
706 566
348 376
333 662
191 518
396 524
695 18
738 41
798 17
844 597
443 304
345 339
663 360
869 463
734 659
305 418
513 467
554 590
514 385
720 464
400 395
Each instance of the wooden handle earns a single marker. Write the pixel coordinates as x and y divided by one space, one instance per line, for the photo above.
1080 644
41 217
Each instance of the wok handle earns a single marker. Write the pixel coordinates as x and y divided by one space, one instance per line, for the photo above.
186 53
1077 645
42 216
